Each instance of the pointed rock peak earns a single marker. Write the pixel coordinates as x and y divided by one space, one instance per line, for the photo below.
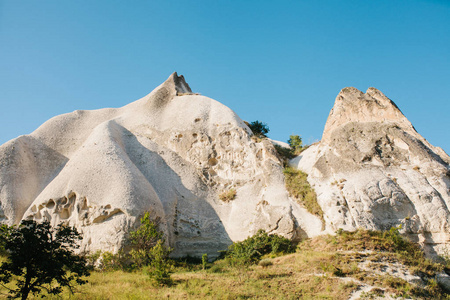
174 86
374 91
350 90
179 83
352 105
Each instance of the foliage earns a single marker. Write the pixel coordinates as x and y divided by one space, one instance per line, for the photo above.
149 250
284 154
259 129
252 249
299 188
41 258
143 240
296 143
228 196
5 233
325 267
160 264
204 261
114 261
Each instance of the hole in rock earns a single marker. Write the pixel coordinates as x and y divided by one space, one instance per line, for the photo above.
194 135
197 120
72 197
212 161
64 214
62 200
50 204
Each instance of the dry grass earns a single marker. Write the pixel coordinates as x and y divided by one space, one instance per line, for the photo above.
290 277
299 188
324 267
228 196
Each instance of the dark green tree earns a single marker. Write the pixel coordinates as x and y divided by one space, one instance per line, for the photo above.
40 257
259 129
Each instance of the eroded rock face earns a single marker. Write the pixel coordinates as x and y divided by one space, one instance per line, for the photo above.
373 170
170 153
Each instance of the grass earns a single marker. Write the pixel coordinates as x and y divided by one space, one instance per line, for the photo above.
227 196
381 248
299 188
289 277
325 267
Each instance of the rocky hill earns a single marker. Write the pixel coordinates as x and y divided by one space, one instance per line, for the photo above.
373 170
196 167
172 153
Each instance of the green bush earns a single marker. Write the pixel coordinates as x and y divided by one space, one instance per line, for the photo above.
259 129
114 261
204 261
252 249
296 143
160 265
284 154
150 252
143 239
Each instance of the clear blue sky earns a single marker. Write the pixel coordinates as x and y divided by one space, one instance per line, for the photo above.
281 62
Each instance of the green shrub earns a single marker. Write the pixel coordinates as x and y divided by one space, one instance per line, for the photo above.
259 129
150 251
160 264
250 250
204 261
299 188
284 153
296 143
113 261
143 239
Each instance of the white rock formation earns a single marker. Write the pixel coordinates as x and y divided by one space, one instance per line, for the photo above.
171 153
373 170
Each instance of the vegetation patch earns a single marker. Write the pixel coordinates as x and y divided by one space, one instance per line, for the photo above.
299 188
228 196
296 147
262 267
252 249
259 129
380 247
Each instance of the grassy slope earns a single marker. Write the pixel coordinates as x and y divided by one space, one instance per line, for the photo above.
326 267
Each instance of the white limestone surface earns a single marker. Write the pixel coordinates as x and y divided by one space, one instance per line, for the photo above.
171 153
373 170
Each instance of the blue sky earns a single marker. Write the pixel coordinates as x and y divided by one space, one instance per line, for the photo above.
280 62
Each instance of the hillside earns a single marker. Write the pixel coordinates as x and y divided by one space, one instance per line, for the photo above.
208 181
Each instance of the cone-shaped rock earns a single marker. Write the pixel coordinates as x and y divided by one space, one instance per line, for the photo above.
171 153
373 170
